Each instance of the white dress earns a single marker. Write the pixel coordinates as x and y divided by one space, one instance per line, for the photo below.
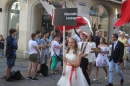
92 56
102 59
73 76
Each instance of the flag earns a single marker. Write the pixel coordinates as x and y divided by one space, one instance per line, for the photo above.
125 14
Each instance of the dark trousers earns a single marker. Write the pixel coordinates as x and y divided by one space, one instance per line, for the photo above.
84 67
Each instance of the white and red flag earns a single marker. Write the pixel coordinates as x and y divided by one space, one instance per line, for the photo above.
125 14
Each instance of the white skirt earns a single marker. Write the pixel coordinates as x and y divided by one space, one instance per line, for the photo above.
73 78
92 57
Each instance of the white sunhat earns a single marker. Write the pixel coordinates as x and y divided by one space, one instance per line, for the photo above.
122 32
84 34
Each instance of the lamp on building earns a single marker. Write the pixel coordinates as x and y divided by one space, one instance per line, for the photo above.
24 1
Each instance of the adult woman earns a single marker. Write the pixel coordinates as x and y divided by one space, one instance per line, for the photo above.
52 35
72 74
92 56
102 60
1 46
125 42
50 40
33 57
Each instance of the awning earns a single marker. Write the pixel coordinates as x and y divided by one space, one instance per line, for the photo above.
125 14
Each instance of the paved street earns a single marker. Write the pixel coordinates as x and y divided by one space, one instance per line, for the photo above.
51 80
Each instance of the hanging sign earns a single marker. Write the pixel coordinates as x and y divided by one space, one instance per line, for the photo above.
82 4
65 17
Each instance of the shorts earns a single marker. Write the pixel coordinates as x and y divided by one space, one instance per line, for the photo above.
33 57
11 61
44 58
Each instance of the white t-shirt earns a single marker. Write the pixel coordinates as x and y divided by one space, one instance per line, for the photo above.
54 45
32 45
87 49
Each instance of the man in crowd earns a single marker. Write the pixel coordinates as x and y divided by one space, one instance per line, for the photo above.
116 60
97 38
44 58
85 49
11 48
78 35
38 40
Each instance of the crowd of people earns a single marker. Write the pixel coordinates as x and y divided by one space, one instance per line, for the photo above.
82 51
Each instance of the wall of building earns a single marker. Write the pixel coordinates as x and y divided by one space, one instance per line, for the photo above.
111 8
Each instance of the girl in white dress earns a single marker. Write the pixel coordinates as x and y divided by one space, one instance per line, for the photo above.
102 59
72 74
92 56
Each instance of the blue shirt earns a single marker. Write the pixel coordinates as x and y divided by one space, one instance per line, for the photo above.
38 40
11 47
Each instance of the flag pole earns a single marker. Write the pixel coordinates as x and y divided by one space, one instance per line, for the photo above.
64 6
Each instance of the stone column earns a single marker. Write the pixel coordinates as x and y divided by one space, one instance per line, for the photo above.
22 51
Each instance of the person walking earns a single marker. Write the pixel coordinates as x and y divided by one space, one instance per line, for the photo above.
2 41
72 74
116 60
33 57
92 56
125 42
78 35
11 47
102 59
55 51
97 38
128 48
85 49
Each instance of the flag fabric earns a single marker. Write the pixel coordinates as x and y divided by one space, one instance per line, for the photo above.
125 14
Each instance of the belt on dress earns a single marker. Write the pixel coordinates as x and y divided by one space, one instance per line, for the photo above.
71 74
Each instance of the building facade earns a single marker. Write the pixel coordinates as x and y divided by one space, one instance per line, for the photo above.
27 16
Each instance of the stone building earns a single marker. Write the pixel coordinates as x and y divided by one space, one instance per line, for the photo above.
27 16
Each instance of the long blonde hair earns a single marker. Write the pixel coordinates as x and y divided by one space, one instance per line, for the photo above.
75 48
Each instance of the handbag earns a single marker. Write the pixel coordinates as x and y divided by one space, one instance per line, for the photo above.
59 57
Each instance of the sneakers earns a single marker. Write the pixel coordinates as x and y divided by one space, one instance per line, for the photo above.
38 71
10 80
106 77
34 79
29 78
95 79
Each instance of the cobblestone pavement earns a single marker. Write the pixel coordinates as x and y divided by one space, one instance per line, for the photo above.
51 80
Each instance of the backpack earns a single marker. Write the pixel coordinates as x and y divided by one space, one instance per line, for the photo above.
16 75
44 70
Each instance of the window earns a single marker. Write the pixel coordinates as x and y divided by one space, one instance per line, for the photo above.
99 18
14 11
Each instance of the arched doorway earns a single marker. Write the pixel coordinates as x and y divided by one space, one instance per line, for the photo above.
40 19
14 13
99 19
